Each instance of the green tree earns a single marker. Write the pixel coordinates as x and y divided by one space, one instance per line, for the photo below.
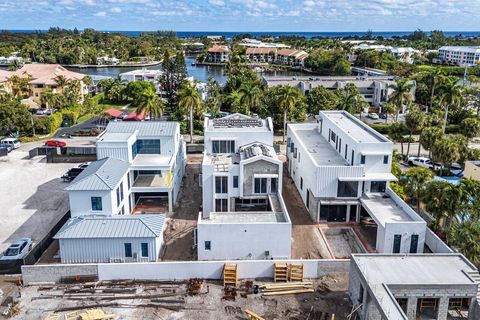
470 127
440 199
464 236
320 98
352 101
414 121
189 101
396 132
446 150
450 97
149 102
250 95
388 108
402 94
428 138
287 99
135 89
415 181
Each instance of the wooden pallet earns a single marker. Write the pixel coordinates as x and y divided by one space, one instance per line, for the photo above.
295 272
280 272
253 316
230 275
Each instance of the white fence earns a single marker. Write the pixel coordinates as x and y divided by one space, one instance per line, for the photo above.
247 269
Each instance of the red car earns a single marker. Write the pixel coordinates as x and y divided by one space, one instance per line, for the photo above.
55 143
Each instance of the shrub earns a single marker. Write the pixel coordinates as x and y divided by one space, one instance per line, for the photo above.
452 129
70 116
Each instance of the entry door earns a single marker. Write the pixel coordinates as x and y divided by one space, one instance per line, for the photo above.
308 198
414 243
397 240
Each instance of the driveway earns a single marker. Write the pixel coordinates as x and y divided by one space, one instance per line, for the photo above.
93 123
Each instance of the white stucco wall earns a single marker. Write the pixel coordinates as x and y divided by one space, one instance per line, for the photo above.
244 241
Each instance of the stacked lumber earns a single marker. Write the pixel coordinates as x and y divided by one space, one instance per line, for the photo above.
252 315
230 276
280 272
287 288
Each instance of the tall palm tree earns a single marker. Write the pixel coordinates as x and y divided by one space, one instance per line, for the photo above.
149 102
415 180
451 96
401 95
415 120
437 77
437 199
250 95
287 98
446 150
189 100
61 81
428 137
464 236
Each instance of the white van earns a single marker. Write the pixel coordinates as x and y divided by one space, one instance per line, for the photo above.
14 142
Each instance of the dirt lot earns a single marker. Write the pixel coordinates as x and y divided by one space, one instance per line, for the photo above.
306 242
169 301
179 229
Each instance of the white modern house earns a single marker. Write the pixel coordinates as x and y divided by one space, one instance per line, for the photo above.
341 167
99 239
404 54
141 75
459 55
244 215
140 170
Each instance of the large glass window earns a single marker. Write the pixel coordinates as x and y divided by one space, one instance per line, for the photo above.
96 203
128 250
223 146
347 189
221 184
235 181
144 146
144 247
221 205
333 212
260 185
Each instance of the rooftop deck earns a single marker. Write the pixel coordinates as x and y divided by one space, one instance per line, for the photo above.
152 160
384 210
245 217
318 148
151 181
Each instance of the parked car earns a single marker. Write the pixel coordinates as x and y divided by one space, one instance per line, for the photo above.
50 111
41 112
6 146
421 162
55 143
373 116
383 115
18 249
13 142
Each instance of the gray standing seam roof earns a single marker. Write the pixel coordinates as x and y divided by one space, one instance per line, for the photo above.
103 174
145 128
129 226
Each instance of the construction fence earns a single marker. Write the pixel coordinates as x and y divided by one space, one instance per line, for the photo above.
178 270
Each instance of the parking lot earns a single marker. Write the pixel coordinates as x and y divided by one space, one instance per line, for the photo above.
32 198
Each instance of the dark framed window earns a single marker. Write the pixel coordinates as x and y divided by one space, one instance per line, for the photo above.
134 150
397 241
378 186
289 140
260 185
347 189
221 184
362 159
147 146
235 181
333 136
96 203
208 245
353 157
128 181
223 146
301 183
413 243
385 159
346 150
128 250
144 247
118 196
273 185
292 147
221 205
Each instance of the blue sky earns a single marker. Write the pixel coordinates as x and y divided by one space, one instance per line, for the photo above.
242 15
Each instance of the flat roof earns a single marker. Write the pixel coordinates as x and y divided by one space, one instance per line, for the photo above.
151 160
238 122
319 149
245 217
354 127
115 137
415 269
384 209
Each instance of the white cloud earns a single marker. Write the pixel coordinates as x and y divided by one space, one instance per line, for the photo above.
100 14
116 10
219 3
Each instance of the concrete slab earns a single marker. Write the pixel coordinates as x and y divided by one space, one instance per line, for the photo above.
32 194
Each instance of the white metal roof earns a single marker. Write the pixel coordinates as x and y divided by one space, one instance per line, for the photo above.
469 49
128 226
103 174
145 128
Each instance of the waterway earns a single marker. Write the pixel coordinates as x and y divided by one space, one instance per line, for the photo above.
199 72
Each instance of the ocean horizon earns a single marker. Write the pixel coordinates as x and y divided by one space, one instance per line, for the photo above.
308 35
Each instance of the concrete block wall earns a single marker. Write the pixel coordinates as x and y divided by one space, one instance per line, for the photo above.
182 270
53 273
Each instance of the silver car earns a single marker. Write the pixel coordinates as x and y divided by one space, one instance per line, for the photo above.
17 250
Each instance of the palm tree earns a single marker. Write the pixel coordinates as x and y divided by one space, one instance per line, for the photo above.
401 95
234 104
388 108
47 98
428 137
446 150
415 181
61 81
287 98
250 95
438 200
437 76
352 101
451 96
464 236
415 121
149 102
189 100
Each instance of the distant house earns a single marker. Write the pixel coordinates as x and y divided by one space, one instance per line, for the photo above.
101 239
141 75
107 60
133 116
4 84
44 77
291 57
218 54
261 55
459 55
404 54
